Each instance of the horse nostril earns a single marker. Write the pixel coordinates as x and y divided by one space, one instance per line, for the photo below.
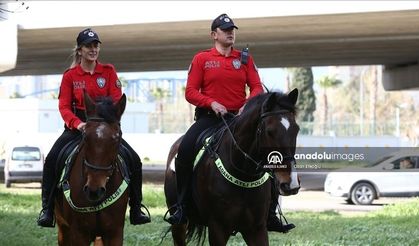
85 189
101 191
285 186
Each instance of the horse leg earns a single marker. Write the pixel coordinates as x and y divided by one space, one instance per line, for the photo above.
218 234
179 235
113 237
258 237
63 235
79 238
98 241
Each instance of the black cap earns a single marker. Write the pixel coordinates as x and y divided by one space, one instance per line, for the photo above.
223 22
87 36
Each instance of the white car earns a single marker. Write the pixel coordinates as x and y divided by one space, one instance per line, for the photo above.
23 164
384 178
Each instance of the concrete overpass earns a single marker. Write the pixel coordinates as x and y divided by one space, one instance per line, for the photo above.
390 38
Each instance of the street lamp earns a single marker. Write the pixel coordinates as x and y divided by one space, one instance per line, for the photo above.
398 107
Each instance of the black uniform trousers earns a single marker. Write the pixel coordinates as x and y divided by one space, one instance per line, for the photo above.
204 120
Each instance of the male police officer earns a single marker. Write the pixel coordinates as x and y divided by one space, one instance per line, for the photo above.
216 85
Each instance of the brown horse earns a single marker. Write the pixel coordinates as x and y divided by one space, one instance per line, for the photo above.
231 188
98 200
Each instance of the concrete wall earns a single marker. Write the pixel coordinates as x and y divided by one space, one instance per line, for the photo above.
34 115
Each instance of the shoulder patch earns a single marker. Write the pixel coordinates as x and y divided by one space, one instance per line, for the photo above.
118 83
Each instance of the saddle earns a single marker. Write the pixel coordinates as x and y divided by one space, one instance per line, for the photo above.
68 154
209 140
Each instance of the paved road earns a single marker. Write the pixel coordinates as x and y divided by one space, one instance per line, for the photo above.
309 180
321 201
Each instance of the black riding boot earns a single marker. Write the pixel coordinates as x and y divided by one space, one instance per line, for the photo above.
183 174
136 216
274 222
46 216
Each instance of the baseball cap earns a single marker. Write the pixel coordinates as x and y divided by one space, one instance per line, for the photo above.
87 36
223 22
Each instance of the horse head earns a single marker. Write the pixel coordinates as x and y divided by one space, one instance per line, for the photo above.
102 137
277 135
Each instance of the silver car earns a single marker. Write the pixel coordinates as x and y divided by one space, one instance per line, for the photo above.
392 176
23 164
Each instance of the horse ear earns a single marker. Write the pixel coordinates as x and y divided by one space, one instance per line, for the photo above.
120 106
292 96
89 104
269 103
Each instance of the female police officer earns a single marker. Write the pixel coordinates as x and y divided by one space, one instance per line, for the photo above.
98 80
216 85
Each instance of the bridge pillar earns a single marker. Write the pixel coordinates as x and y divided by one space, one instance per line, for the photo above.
8 47
401 77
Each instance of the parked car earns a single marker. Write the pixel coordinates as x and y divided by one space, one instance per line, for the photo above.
388 177
23 164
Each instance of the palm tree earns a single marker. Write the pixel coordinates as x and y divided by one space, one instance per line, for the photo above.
325 83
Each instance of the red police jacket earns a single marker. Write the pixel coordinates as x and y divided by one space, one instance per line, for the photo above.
214 77
103 82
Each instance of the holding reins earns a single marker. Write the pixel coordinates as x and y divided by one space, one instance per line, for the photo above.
260 129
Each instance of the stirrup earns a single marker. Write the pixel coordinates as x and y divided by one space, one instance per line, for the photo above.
43 223
140 217
146 209
179 210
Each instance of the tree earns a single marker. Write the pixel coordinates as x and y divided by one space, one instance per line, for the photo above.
302 79
325 83
160 94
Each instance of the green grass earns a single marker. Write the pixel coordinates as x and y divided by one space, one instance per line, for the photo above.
392 225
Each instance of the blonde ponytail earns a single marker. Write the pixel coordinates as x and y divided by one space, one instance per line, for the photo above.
76 57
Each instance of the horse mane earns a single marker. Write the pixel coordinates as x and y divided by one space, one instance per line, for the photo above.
106 109
255 103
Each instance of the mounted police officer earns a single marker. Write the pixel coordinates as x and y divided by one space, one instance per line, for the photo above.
216 84
98 80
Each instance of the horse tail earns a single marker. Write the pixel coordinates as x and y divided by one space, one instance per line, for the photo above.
196 233
173 151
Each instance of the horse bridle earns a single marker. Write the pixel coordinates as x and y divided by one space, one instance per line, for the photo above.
259 130
88 164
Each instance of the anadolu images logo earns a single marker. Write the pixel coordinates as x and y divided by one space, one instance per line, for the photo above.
275 158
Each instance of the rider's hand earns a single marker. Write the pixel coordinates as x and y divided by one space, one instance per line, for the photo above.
81 126
218 108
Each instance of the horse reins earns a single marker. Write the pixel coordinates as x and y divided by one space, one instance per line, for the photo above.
258 132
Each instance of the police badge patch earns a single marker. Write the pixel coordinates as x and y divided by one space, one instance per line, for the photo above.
101 82
118 83
236 64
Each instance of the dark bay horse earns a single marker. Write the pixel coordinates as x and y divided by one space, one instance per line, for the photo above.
98 200
231 188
